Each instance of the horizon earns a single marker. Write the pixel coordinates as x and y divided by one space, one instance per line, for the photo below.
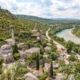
63 9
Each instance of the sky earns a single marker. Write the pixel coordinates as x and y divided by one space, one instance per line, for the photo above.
44 8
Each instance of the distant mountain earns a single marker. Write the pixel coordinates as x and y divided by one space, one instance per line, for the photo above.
65 19
34 18
48 22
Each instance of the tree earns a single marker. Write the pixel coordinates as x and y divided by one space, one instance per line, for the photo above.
37 62
15 49
16 56
69 46
51 70
54 55
43 77
44 43
71 57
78 51
29 43
1 61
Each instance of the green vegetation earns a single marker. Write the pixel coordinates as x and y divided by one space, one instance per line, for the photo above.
16 54
15 49
37 62
51 70
1 61
76 31
43 77
49 22
72 58
69 46
71 69
22 27
54 55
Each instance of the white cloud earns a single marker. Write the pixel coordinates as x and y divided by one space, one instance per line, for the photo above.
44 8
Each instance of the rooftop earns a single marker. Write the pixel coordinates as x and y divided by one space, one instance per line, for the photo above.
30 76
5 47
37 73
33 50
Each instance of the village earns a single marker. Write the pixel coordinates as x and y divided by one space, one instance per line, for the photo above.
49 53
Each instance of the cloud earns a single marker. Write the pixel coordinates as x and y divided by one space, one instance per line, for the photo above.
44 8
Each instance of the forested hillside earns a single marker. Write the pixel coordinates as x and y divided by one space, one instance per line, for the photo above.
50 22
21 26
76 31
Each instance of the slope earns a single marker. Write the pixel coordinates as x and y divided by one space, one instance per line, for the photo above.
22 27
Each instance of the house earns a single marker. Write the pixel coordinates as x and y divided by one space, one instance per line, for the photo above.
30 51
45 56
37 73
47 66
60 50
30 76
59 76
6 53
35 30
47 48
48 44
9 41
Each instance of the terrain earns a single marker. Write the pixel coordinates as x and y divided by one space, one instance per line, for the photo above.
21 26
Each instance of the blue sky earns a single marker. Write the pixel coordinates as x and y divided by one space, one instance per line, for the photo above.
44 8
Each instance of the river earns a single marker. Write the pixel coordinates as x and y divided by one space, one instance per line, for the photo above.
67 35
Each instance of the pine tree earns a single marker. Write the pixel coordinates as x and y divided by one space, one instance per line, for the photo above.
16 54
37 62
15 49
51 70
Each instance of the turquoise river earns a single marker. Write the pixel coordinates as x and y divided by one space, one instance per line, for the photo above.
67 35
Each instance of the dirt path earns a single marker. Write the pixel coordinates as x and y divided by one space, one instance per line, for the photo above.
58 45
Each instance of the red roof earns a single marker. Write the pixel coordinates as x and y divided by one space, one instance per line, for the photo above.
60 50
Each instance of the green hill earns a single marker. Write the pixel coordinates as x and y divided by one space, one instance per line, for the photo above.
76 31
50 22
22 26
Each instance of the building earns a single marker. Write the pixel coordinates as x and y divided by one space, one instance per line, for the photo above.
40 35
35 30
37 73
47 66
9 41
30 51
30 76
6 53
47 48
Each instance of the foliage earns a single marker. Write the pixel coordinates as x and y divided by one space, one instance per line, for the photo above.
22 27
1 61
37 62
16 56
51 70
54 55
15 49
71 57
69 46
43 77
76 31
44 42
72 69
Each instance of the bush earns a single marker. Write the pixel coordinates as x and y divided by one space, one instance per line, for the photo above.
16 56
1 61
54 55
43 77
71 57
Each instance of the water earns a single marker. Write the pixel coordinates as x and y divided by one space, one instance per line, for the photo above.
67 35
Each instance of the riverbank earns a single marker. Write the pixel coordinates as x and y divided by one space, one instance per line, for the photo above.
67 35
